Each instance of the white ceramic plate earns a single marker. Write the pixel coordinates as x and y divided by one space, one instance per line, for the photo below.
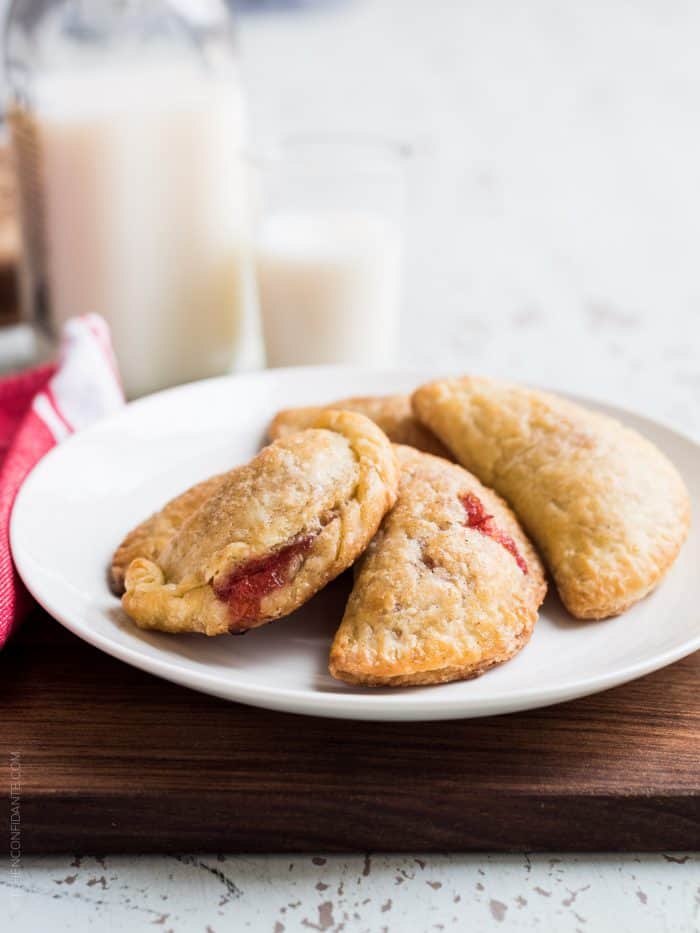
86 494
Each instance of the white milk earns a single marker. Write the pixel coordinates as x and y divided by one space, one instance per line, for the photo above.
328 288
145 219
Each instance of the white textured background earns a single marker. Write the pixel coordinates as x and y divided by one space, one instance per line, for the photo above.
556 221
379 894
554 237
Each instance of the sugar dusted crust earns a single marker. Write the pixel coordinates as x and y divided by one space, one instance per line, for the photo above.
606 508
435 600
328 486
440 675
150 537
392 413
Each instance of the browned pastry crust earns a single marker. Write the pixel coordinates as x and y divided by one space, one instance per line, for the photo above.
272 533
607 510
150 537
391 412
449 586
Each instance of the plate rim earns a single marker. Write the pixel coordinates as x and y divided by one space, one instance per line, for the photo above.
365 704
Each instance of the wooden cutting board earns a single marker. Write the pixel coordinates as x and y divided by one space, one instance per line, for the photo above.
114 760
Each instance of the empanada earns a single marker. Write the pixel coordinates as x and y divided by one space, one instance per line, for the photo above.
391 412
150 537
272 534
607 510
449 586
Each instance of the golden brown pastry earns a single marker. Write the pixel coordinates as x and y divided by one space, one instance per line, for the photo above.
607 510
391 412
272 534
449 586
150 537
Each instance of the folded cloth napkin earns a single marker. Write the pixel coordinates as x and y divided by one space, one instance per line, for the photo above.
39 409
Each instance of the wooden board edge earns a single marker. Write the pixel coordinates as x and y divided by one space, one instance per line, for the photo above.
60 823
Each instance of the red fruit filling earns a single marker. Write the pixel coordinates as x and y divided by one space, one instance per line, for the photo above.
247 586
478 517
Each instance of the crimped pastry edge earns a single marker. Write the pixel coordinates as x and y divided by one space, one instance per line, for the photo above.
613 594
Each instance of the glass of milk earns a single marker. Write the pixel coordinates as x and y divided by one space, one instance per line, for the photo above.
128 125
328 251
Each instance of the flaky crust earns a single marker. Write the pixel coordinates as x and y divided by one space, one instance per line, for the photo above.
150 537
311 502
435 600
607 510
391 412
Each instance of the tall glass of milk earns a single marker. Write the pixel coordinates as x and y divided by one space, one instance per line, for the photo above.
128 125
328 251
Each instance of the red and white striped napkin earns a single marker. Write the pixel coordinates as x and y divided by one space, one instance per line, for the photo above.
39 409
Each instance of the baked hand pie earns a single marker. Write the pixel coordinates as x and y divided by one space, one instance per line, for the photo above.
391 412
607 510
272 533
449 586
151 537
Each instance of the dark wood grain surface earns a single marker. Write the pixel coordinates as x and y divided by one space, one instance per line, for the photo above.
114 760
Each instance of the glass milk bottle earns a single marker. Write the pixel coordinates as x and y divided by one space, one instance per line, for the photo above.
128 124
